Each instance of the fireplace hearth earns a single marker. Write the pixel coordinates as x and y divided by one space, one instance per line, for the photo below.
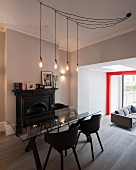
33 106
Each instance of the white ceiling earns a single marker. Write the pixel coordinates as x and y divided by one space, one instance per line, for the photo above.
23 16
131 63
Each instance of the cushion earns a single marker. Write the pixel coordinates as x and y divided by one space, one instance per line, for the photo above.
131 116
134 114
134 121
129 108
116 111
126 111
121 112
133 109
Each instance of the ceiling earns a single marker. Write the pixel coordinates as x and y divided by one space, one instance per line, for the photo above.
23 16
130 65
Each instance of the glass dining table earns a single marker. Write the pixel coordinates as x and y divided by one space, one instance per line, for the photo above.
30 130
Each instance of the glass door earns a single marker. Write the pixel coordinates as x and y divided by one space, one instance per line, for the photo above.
129 89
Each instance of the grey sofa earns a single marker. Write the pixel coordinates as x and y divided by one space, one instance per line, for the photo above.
125 117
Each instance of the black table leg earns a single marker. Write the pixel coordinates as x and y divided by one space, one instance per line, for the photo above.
35 153
28 147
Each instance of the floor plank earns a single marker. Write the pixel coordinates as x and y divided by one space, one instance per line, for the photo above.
119 152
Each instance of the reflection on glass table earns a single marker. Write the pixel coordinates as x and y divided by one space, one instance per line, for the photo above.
29 128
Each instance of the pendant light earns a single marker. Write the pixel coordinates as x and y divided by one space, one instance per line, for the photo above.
77 68
55 64
40 62
67 66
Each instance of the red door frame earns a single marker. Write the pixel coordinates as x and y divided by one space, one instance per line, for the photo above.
108 85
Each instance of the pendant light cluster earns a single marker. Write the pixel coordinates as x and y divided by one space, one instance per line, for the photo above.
80 21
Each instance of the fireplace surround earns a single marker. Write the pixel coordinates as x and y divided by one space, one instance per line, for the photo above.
32 106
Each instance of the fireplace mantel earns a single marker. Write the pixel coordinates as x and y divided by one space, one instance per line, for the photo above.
32 92
26 98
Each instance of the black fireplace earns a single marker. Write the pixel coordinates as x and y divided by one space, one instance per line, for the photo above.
33 106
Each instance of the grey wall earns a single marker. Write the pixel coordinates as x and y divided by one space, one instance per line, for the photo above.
2 76
22 66
120 47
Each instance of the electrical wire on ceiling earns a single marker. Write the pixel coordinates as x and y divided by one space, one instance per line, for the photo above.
81 21
89 22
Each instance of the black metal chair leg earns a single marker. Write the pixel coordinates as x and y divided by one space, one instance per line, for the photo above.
78 164
90 138
77 138
99 141
61 155
46 161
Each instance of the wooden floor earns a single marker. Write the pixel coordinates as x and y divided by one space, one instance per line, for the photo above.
119 152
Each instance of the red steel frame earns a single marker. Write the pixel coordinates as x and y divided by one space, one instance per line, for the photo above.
108 85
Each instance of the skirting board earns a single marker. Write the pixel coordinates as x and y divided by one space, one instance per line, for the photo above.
4 127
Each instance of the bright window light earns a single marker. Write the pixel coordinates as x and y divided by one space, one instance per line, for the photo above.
118 68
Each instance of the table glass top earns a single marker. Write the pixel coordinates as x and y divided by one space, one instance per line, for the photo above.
29 128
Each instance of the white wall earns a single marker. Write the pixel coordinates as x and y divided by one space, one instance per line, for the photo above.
92 89
83 87
116 93
117 48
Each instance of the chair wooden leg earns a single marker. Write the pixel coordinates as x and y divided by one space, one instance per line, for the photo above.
61 155
90 138
78 164
99 141
77 138
46 161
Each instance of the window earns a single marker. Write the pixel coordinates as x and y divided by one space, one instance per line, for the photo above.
129 89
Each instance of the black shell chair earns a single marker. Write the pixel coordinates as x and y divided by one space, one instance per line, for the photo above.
88 127
57 106
62 141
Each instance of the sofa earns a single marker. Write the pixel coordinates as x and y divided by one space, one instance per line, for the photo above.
125 117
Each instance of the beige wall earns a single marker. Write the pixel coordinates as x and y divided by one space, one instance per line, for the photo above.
22 65
64 80
2 76
120 47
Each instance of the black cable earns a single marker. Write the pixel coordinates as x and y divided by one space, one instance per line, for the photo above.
77 15
55 37
67 40
113 23
40 27
77 44
87 22
103 26
98 27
